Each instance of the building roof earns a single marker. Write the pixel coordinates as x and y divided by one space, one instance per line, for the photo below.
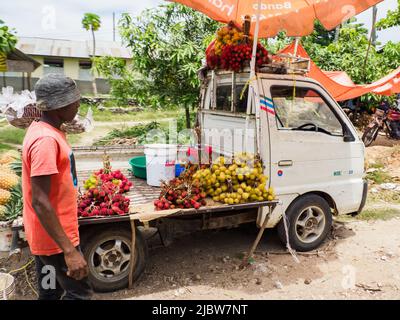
70 48
18 55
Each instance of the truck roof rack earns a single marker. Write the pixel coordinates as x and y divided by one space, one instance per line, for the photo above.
287 64
280 64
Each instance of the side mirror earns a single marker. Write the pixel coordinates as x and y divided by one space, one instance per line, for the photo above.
348 136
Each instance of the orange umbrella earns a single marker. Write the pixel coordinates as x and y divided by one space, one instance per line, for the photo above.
296 17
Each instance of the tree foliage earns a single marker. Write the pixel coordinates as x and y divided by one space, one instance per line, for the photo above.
8 39
348 53
126 83
168 45
392 19
91 21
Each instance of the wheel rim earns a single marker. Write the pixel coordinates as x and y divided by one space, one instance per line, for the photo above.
370 136
310 224
109 259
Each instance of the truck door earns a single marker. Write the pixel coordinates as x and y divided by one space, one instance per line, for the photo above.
312 146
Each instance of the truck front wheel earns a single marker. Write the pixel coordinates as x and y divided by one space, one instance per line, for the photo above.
309 220
107 253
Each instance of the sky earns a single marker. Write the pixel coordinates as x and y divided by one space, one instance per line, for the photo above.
62 19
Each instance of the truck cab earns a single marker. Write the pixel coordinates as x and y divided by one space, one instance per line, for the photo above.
310 150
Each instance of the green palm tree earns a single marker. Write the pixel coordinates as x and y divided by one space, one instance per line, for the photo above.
91 22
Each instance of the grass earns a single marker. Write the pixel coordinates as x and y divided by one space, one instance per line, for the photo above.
379 214
368 214
388 196
5 147
377 165
379 176
11 135
74 138
149 114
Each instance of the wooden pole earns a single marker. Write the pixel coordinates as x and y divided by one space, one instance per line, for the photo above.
296 46
373 30
245 261
29 81
133 255
114 26
369 46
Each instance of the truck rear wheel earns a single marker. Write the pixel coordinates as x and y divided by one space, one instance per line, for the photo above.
107 252
309 221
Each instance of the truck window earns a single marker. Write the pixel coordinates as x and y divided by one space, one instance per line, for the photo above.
241 98
224 98
299 108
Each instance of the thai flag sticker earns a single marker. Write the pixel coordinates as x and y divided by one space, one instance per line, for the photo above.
267 105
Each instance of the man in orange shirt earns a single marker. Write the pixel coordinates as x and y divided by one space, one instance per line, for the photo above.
49 185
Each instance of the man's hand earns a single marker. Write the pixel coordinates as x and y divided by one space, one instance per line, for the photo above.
77 266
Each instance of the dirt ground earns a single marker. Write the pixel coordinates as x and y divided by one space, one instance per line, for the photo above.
360 261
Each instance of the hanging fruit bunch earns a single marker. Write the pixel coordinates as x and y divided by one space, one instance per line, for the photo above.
104 200
107 175
240 182
104 195
232 50
181 192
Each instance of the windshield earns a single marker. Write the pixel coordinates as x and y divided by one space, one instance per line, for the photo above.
299 108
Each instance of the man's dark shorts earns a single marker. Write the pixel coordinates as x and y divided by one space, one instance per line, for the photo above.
62 287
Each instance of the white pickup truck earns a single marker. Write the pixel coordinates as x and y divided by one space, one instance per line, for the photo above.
311 154
310 149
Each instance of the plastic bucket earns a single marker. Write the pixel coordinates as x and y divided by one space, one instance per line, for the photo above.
193 154
179 168
7 286
5 236
138 165
160 163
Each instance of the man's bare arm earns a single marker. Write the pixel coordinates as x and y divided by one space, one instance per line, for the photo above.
77 267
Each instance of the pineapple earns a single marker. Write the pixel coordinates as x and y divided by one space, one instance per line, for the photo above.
8 180
9 157
4 168
5 196
2 212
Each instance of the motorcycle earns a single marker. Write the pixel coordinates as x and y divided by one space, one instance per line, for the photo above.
387 119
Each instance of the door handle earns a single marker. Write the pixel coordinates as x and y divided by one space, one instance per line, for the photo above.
285 163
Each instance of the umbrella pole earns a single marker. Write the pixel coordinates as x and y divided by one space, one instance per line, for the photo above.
296 46
253 83
255 41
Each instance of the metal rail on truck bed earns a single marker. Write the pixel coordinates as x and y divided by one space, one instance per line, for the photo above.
143 193
185 212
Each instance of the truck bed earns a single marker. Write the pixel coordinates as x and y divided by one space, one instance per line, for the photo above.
142 193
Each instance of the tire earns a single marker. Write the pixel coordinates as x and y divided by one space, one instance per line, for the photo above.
318 222
370 135
119 240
